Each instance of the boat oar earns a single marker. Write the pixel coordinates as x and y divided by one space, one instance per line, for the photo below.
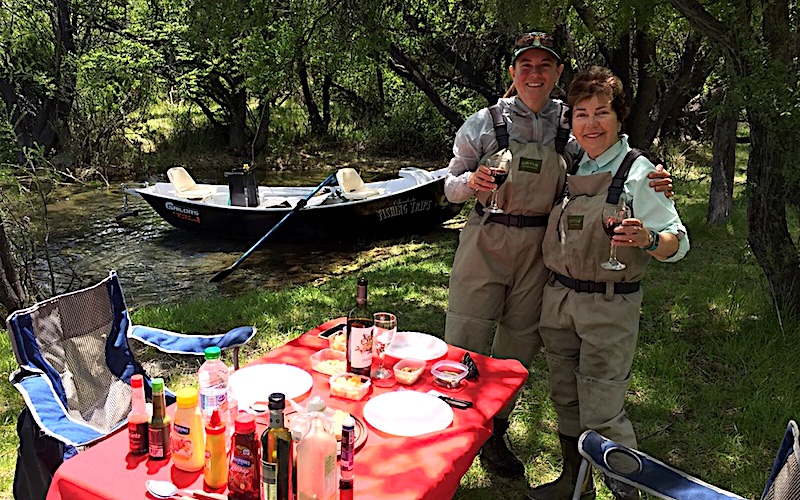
300 204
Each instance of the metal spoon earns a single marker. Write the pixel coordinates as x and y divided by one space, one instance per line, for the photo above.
165 489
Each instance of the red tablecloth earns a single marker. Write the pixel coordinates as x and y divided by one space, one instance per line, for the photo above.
387 467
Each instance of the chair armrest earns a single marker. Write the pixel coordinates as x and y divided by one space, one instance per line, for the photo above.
645 472
194 344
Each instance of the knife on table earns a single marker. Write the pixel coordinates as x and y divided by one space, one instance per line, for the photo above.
460 404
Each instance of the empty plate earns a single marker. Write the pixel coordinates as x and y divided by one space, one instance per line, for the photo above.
407 413
255 383
416 345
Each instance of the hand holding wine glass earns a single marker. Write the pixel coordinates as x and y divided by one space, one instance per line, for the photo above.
613 215
499 165
384 328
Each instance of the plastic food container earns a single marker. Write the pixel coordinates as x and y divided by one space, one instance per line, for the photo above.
338 341
349 385
329 362
449 373
408 370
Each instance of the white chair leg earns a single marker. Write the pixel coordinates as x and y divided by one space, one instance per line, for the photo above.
582 472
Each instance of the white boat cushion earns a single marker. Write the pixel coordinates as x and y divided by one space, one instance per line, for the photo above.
186 187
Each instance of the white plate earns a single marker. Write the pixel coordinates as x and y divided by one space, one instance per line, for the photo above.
255 383
407 413
416 345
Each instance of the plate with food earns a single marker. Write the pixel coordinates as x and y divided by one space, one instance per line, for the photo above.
416 345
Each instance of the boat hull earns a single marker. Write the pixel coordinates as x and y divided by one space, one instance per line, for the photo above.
409 212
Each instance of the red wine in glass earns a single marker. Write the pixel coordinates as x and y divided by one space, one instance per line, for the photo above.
610 225
613 216
500 175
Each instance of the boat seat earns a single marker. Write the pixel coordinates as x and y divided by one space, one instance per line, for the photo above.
186 187
353 187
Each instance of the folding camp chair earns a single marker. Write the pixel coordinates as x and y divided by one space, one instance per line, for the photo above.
658 479
75 367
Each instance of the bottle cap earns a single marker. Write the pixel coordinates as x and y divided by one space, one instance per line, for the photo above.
362 281
215 425
187 397
245 423
158 384
277 401
212 352
137 381
316 404
349 421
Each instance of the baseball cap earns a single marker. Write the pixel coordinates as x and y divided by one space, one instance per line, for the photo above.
534 40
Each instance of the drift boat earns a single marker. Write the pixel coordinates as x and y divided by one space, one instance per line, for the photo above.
409 204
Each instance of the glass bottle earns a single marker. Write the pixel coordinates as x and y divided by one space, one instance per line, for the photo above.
277 453
215 469
187 432
158 430
244 473
138 418
316 457
348 453
359 333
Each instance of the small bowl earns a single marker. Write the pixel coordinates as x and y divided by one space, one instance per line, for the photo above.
449 373
408 370
329 362
349 385
338 341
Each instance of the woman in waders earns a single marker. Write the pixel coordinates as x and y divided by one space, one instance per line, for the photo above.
590 313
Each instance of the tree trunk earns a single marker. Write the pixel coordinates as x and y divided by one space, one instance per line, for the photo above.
769 234
315 120
646 92
12 294
237 128
720 199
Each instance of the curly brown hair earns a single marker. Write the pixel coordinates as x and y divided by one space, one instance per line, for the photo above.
597 81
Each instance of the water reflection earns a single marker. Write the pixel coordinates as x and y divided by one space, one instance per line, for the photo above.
157 263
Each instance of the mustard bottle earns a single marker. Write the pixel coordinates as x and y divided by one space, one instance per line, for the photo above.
215 471
188 452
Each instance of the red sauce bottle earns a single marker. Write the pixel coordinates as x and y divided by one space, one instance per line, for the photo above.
244 474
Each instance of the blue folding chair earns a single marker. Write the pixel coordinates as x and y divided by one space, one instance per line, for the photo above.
658 479
75 367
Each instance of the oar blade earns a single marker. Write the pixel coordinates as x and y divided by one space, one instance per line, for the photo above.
221 275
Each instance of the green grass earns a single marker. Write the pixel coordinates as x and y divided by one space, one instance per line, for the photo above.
713 384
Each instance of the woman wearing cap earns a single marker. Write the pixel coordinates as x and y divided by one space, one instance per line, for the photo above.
590 314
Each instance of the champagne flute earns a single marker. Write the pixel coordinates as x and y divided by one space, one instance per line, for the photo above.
498 165
613 215
384 328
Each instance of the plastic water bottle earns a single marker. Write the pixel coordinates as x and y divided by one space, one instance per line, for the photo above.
212 380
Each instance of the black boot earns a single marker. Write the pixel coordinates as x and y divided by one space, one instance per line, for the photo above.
563 487
495 455
621 490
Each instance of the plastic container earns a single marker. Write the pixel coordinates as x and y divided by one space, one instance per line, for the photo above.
449 373
338 341
244 473
212 380
186 440
316 456
329 362
408 370
349 385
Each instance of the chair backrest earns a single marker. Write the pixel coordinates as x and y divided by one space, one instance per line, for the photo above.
349 180
78 342
784 479
181 179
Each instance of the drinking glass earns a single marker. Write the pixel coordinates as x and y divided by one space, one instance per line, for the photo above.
384 328
613 215
498 165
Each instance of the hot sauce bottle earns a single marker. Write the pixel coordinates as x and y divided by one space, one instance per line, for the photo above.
160 425
138 418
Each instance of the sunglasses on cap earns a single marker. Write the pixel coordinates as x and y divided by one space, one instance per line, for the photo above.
535 40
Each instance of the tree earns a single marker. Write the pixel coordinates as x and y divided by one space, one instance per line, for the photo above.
762 56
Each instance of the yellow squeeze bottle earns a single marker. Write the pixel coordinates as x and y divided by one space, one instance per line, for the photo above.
215 471
187 444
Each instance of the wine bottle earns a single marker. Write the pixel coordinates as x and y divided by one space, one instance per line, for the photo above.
359 333
277 458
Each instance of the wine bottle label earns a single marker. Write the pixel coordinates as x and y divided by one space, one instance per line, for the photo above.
360 347
269 480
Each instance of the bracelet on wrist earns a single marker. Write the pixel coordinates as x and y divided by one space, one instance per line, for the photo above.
653 242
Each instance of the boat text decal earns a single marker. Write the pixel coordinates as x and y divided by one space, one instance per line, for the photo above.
185 213
403 207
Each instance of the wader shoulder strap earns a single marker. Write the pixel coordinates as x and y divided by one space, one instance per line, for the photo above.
563 130
500 128
621 176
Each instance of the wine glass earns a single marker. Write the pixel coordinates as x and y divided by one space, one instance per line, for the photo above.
384 328
498 165
613 215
